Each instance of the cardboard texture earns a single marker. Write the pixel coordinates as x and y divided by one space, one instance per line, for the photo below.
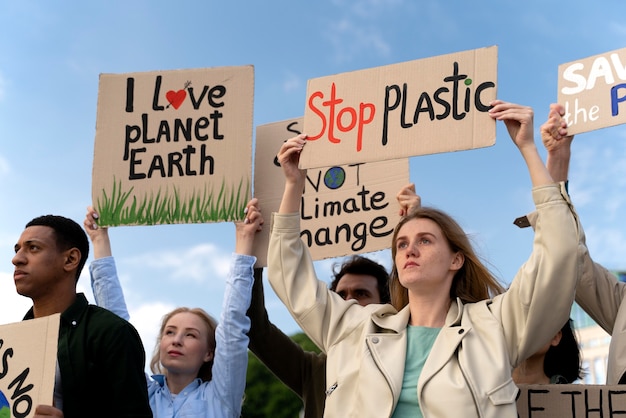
419 107
28 350
593 91
349 209
173 146
571 401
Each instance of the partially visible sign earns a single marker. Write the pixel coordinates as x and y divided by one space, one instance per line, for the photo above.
571 401
173 146
348 209
426 106
28 356
593 91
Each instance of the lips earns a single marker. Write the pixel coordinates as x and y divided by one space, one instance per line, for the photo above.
410 264
18 274
174 353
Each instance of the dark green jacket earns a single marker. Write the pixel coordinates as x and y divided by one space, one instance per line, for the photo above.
303 372
101 359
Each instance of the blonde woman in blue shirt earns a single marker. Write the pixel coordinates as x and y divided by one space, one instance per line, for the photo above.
199 365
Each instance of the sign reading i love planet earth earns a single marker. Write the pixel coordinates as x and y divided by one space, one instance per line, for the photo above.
173 146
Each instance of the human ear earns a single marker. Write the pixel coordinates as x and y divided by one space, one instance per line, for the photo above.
72 259
556 339
458 260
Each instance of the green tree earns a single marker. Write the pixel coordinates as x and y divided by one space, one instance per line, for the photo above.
268 397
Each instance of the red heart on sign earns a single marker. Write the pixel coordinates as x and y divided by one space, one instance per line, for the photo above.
176 98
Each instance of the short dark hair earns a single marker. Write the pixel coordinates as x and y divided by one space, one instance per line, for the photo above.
564 359
362 265
68 233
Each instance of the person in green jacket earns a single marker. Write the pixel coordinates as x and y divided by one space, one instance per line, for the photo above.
100 356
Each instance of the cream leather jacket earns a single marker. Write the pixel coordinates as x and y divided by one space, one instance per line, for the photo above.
468 372
601 295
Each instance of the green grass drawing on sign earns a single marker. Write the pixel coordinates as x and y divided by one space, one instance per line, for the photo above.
202 206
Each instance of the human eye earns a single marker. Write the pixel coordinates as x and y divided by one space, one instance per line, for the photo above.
401 245
342 295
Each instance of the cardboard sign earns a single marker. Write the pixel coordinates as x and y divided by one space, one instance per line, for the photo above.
173 146
593 91
571 401
348 209
28 353
420 107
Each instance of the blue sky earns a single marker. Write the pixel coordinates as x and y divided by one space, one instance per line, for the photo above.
51 53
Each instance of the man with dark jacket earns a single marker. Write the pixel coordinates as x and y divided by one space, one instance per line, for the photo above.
100 356
304 372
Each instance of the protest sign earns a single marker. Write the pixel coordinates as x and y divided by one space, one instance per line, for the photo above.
571 401
28 353
593 90
173 146
420 107
348 209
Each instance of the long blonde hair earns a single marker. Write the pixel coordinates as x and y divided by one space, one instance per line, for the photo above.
205 373
472 282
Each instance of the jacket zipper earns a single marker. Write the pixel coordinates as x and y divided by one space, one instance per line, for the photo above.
331 389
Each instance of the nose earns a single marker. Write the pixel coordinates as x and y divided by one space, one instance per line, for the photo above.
178 339
18 258
411 250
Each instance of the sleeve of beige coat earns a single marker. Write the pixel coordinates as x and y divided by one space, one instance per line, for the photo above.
321 313
599 293
540 296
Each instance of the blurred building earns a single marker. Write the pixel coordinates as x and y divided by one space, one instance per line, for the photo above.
594 342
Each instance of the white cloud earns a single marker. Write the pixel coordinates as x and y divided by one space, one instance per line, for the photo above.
618 28
202 263
147 319
607 246
292 83
597 185
598 174
351 39
4 163
370 8
14 306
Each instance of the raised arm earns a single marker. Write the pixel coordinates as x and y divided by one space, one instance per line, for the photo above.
105 283
302 371
289 157
540 296
519 122
231 339
408 199
599 292
557 143
290 268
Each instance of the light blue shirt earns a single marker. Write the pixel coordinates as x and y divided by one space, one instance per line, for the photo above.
223 395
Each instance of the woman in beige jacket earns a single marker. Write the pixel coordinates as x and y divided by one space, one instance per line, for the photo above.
446 347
